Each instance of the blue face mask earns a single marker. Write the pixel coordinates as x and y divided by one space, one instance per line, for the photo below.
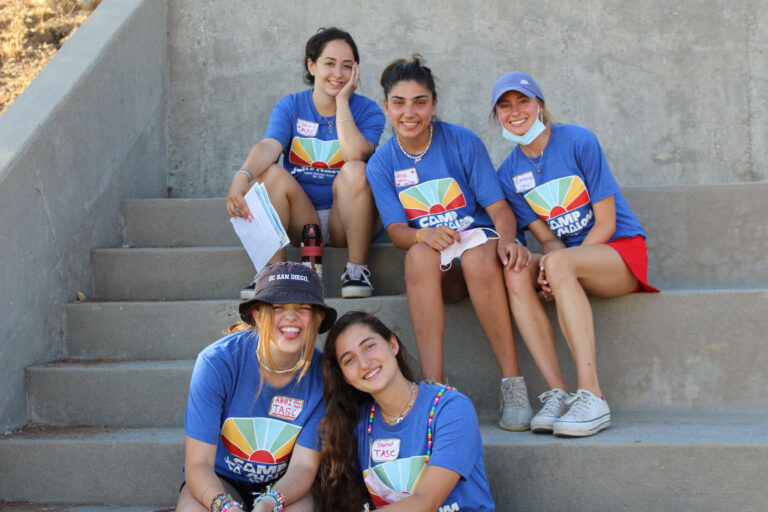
534 131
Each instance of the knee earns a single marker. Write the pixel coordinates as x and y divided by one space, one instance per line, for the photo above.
351 179
481 264
275 178
518 282
558 266
421 262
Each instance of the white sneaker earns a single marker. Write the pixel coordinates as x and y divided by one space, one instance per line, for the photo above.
554 407
587 415
356 283
515 408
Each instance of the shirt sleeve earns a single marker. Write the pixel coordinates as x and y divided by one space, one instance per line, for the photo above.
380 176
369 119
202 420
481 175
281 121
457 443
593 165
522 210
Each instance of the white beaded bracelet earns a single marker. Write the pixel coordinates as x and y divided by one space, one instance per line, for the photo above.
244 171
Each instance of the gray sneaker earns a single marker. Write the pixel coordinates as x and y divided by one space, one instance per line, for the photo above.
587 415
554 407
515 408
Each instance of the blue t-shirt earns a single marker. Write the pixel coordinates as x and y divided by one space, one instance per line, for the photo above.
574 175
450 186
311 151
254 436
392 457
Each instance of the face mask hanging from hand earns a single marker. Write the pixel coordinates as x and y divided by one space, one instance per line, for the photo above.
469 239
534 131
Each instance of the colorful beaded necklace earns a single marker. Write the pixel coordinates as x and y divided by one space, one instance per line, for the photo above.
429 425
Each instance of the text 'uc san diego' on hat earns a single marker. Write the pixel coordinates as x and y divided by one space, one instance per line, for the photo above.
288 283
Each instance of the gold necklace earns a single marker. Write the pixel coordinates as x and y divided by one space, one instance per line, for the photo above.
417 158
407 408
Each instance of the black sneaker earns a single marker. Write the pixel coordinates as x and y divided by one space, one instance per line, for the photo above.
357 283
248 292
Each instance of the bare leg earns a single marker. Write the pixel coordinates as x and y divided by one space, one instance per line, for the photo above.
485 282
427 288
533 323
291 204
572 272
188 503
353 213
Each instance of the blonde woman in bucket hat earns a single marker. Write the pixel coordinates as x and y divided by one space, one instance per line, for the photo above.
255 402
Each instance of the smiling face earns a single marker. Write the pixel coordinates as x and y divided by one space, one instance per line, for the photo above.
333 67
291 326
366 359
517 112
410 107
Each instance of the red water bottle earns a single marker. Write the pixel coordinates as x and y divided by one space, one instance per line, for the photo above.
312 248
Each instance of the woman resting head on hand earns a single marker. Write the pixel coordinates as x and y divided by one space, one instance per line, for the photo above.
416 446
255 402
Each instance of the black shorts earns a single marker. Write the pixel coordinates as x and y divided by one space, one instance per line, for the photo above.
246 490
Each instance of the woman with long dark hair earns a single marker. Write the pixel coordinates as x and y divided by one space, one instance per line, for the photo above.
255 402
325 134
416 446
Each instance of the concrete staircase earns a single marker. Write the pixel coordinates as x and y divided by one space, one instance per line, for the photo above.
683 370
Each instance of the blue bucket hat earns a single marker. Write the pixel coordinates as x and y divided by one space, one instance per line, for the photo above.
516 81
288 283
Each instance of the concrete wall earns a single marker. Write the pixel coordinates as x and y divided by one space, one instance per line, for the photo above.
673 91
89 131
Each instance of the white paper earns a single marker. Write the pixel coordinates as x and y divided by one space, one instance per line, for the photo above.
264 235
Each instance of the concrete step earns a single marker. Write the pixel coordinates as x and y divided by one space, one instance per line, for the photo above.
647 461
21 506
650 459
696 234
109 393
693 350
87 465
217 272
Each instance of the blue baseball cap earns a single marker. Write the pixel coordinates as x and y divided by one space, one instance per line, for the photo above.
516 81
288 283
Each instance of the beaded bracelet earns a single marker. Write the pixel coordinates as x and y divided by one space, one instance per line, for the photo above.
231 504
418 235
244 171
276 497
217 501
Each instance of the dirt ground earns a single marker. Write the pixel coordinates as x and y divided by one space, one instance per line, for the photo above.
31 31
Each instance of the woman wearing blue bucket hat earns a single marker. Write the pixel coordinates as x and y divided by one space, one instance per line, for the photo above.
256 399
560 187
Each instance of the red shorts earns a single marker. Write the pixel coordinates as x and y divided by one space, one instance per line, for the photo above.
635 255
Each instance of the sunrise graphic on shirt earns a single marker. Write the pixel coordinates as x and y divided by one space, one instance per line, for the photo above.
431 197
557 197
399 475
320 154
263 440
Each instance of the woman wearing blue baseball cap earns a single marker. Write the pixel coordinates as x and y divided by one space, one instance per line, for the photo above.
256 400
560 187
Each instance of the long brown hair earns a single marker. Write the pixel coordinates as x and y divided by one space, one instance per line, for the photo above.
340 471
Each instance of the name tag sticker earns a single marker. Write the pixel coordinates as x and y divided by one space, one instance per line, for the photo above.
406 177
306 128
286 408
524 182
384 450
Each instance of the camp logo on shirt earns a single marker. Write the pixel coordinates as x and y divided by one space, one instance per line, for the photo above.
320 154
259 448
558 203
306 128
394 480
285 407
434 203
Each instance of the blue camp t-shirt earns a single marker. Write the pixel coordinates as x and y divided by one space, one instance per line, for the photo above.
392 457
254 436
311 151
450 186
574 175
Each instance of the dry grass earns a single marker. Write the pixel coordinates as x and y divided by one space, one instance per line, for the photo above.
31 31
